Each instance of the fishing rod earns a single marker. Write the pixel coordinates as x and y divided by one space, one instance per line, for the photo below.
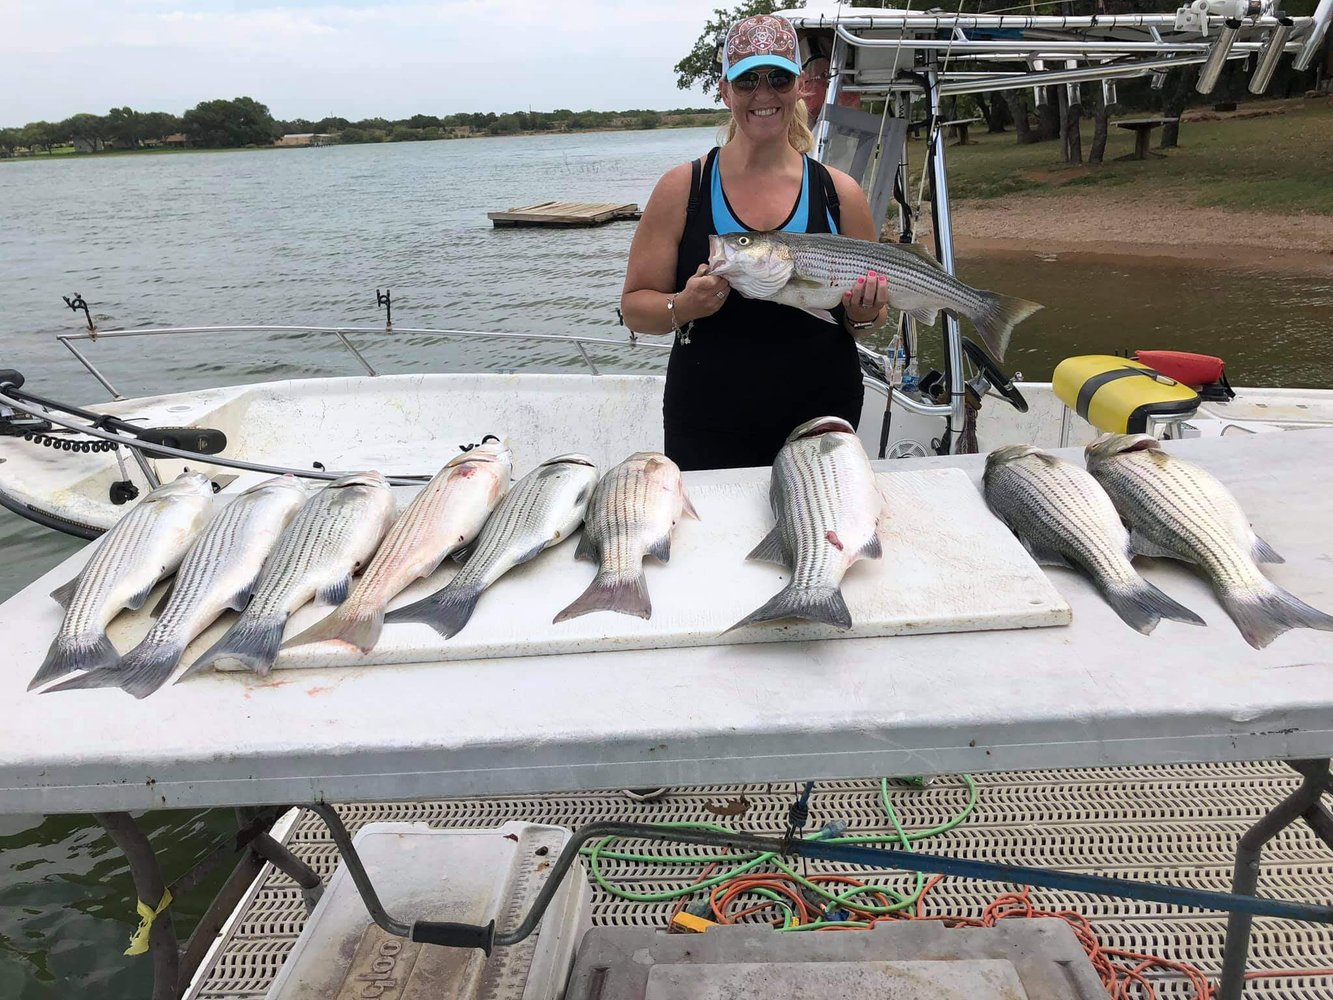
161 442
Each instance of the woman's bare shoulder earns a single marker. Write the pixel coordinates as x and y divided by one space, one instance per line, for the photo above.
844 184
673 187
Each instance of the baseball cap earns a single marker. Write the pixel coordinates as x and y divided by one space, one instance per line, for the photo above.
761 40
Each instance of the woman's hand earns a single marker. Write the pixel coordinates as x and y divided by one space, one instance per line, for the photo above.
867 300
702 296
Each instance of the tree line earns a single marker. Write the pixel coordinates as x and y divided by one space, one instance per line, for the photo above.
243 121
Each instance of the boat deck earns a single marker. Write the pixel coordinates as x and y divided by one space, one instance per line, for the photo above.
1174 824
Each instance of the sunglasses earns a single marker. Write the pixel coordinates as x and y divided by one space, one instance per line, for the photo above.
780 80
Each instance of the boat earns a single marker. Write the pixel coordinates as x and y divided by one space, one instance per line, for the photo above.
76 469
910 63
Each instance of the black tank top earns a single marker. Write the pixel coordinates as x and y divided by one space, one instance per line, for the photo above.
754 370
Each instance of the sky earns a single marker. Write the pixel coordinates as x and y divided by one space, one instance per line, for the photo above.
356 58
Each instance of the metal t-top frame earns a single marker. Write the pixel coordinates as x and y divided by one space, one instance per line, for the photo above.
899 54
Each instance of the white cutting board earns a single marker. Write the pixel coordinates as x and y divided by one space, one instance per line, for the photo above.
948 566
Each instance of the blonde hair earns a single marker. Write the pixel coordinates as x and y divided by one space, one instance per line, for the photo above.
798 129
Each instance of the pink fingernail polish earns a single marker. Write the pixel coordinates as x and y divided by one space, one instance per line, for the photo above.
860 281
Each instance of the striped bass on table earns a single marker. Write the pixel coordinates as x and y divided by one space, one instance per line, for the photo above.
442 519
218 573
1177 510
1064 518
631 515
141 549
812 270
828 508
544 508
334 534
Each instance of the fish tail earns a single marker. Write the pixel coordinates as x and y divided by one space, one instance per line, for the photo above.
996 318
252 641
70 653
813 604
1141 606
141 671
1263 618
358 629
446 611
612 592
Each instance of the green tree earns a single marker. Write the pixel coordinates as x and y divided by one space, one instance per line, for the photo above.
124 127
41 135
422 121
703 64
240 122
159 124
90 130
10 140
650 119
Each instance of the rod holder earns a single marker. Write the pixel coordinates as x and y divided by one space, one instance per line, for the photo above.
1217 56
1319 26
1158 79
1109 93
1270 55
75 304
385 299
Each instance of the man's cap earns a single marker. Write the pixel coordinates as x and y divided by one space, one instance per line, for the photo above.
761 40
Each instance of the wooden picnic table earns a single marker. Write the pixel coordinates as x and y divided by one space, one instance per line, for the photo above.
1142 128
961 124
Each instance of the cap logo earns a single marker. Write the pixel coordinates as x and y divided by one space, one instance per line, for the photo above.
761 35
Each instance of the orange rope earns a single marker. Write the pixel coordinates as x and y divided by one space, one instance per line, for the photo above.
1123 973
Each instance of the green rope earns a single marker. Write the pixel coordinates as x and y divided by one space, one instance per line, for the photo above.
742 863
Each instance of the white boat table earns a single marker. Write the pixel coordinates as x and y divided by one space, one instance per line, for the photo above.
1089 694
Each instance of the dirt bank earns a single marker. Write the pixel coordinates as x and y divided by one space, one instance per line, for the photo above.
1110 224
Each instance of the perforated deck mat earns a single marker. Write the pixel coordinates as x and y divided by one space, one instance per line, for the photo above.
1170 824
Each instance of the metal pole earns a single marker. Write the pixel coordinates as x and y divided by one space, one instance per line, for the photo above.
1319 25
943 226
149 887
364 363
92 369
1245 874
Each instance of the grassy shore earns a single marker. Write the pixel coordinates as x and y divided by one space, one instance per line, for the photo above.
1280 163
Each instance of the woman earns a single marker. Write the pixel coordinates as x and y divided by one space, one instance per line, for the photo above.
744 373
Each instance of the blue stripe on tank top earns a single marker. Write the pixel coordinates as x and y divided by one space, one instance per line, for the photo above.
725 222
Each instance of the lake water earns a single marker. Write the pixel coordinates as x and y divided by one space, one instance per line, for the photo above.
305 237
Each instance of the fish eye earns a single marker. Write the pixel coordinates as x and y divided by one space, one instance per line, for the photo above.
744 241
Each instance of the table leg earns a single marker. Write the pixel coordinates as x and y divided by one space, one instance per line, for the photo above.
1304 803
1141 143
148 887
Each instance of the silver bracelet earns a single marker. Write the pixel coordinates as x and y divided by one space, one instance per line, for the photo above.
682 334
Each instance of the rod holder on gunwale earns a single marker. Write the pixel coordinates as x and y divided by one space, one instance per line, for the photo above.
385 299
75 304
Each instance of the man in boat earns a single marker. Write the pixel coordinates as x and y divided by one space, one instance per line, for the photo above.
744 372
815 78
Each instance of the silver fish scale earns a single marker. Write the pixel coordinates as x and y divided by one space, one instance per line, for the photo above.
129 551
830 261
1174 505
209 561
414 530
522 521
316 537
618 519
809 492
1060 507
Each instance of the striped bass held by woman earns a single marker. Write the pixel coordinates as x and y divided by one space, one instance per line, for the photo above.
814 272
744 371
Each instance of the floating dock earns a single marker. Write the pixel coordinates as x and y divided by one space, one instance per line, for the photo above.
566 213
